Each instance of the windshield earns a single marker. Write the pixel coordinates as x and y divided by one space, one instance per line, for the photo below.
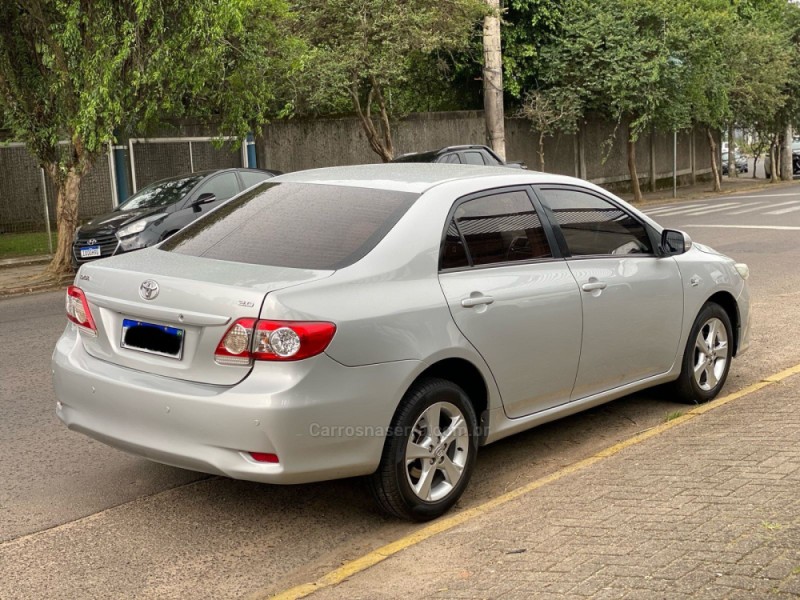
161 193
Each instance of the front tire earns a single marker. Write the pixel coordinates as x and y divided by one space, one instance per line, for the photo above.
707 358
429 452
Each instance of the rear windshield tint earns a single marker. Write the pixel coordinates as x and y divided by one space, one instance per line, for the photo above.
300 225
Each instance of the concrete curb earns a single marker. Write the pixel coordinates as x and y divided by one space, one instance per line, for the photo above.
30 289
24 261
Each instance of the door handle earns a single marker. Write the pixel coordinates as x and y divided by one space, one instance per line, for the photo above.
594 285
476 301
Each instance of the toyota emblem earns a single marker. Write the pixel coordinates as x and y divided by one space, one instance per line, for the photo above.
148 290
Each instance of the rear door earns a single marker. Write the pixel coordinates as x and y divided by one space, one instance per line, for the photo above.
632 299
512 298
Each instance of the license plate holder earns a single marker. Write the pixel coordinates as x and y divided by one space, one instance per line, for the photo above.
90 251
151 338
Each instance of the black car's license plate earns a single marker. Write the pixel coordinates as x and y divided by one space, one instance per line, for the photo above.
151 338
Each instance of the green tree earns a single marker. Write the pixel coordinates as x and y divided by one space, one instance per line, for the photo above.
363 54
615 55
550 111
529 26
79 70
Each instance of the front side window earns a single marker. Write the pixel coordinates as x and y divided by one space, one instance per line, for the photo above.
499 228
250 178
300 225
594 226
223 186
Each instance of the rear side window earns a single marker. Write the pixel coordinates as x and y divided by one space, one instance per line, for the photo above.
474 158
299 225
594 226
499 228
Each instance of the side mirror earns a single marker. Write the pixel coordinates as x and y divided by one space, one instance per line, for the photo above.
203 199
674 242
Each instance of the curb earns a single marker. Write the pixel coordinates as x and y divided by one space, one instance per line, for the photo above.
744 188
13 263
30 289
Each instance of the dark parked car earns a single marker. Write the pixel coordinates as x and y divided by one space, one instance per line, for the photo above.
157 211
466 155
795 161
741 163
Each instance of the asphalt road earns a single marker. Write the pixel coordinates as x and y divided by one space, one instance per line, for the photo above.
79 519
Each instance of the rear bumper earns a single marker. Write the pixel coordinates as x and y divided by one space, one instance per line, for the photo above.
322 419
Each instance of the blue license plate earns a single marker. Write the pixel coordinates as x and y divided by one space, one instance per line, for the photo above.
152 338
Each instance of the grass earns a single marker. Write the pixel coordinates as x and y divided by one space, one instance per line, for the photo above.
24 244
771 526
672 416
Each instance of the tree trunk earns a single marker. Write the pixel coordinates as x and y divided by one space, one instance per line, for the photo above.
541 152
637 192
712 143
774 163
755 165
67 191
731 150
381 143
493 81
787 173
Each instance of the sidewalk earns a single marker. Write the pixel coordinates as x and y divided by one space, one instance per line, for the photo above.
21 275
707 509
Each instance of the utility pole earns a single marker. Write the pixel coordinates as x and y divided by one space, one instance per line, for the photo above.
493 81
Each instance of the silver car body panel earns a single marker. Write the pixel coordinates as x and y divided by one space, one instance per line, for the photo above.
396 316
531 303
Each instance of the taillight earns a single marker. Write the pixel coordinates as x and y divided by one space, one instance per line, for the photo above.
234 347
251 339
78 310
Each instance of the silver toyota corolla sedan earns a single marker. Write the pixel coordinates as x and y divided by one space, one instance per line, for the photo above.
387 321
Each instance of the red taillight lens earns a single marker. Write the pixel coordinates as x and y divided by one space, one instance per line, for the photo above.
78 310
291 340
251 339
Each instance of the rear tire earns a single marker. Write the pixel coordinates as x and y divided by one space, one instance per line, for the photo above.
429 452
707 358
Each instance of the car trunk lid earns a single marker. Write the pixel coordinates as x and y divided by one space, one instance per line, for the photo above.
165 313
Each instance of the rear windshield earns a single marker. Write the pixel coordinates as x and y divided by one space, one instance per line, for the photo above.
300 225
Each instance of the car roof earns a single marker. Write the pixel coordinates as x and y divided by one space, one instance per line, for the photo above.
413 177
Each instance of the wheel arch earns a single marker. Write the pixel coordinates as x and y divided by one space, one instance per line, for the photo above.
469 378
731 307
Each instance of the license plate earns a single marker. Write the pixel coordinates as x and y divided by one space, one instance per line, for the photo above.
90 251
151 338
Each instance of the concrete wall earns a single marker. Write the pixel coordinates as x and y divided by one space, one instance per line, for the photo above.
597 153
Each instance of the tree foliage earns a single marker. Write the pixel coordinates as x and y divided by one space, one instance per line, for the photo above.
81 70
363 54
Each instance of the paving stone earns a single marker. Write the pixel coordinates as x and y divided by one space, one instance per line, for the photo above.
708 509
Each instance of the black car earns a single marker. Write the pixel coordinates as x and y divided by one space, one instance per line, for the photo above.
157 211
467 155
740 160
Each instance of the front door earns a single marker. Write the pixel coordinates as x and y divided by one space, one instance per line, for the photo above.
632 299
